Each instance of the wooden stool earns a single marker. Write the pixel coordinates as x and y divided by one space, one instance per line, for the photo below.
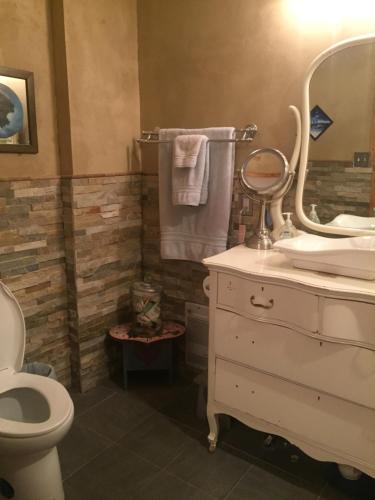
147 353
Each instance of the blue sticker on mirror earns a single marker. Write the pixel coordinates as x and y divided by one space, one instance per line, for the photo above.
319 122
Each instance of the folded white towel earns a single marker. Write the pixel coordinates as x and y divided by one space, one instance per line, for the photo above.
190 170
186 150
193 233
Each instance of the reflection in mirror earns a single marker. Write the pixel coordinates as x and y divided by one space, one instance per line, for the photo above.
264 170
353 221
340 178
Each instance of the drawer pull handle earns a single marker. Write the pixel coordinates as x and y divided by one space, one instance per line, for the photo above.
267 306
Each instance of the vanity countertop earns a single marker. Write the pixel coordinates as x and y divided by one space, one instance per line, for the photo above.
271 264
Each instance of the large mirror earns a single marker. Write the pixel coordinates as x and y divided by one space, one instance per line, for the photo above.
338 140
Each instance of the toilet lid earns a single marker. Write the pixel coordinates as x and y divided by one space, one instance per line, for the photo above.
12 331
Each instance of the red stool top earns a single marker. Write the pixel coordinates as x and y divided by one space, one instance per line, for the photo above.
170 330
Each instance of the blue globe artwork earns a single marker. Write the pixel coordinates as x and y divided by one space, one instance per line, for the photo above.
11 112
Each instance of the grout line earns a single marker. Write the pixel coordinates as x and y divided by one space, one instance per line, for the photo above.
178 453
160 469
94 405
235 484
257 460
94 431
139 423
190 484
88 461
262 461
112 445
128 431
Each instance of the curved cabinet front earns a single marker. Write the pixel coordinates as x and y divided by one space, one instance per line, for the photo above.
348 320
269 302
293 356
332 423
292 352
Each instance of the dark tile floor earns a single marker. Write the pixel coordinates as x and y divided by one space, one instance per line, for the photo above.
147 444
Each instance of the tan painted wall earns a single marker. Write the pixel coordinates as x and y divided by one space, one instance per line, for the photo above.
61 87
216 62
25 43
102 65
220 62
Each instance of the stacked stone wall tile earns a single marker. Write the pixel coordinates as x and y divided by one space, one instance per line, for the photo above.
104 256
32 265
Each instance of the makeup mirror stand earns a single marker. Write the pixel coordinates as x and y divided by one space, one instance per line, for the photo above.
261 239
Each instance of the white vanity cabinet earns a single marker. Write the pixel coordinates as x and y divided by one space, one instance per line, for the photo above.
292 353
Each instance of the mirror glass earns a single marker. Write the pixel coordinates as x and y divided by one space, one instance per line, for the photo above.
340 174
264 171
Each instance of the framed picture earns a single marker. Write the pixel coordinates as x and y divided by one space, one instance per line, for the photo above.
18 132
319 122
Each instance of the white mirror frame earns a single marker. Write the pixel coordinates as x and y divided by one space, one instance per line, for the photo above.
351 42
276 204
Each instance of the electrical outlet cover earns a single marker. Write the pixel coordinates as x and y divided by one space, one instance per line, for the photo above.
361 159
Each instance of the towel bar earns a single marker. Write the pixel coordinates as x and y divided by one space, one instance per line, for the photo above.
246 134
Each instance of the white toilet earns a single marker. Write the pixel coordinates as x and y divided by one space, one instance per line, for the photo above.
35 414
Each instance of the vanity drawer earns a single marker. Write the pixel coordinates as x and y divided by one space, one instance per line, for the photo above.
338 369
269 302
331 422
348 320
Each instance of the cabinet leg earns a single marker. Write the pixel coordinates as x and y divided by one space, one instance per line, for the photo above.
213 422
349 472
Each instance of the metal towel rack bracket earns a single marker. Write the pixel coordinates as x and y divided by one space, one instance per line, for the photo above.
246 134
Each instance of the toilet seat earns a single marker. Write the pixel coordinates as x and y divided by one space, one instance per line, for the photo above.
12 348
57 397
12 331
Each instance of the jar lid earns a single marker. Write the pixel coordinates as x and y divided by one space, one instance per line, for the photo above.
143 286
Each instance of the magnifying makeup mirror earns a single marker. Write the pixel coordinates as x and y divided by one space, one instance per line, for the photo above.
263 177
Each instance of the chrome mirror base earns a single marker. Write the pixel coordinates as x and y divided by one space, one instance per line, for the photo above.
260 240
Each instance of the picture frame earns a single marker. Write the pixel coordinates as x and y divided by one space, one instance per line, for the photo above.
18 130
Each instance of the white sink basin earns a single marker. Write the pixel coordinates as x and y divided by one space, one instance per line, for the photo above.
346 256
353 221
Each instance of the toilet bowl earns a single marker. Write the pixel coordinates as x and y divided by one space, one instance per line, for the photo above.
35 414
